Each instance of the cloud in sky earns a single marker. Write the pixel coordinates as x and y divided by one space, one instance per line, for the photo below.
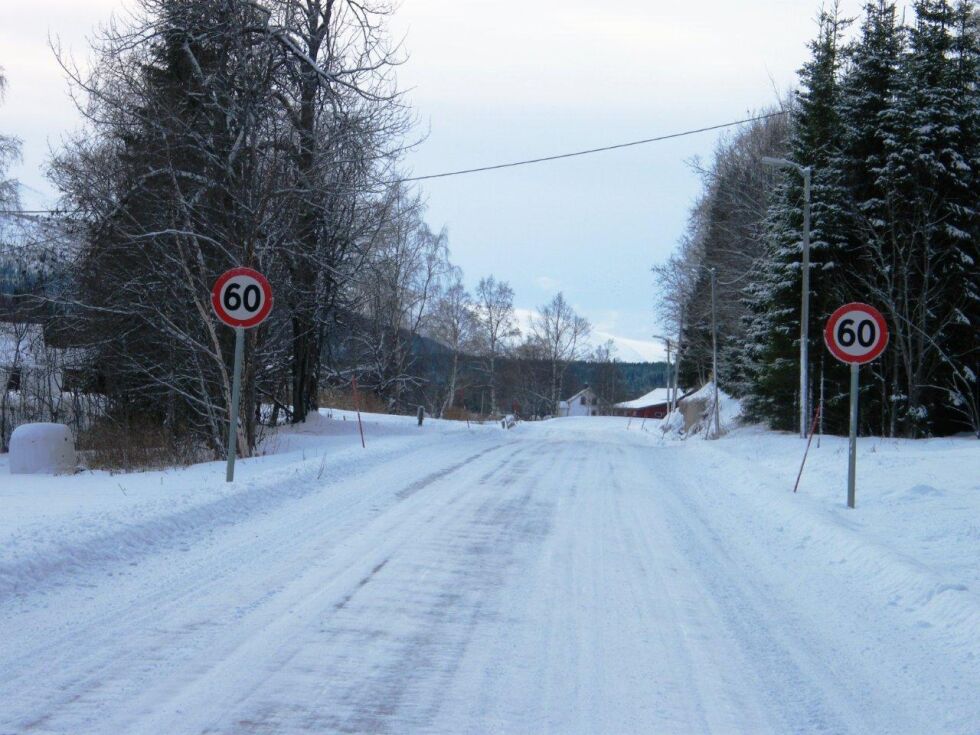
547 283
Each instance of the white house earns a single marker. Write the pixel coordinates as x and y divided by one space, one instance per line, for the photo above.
583 403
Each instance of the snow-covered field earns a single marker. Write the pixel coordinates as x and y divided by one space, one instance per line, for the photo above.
572 576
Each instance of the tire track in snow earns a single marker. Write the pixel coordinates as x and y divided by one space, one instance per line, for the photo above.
438 585
281 642
88 677
168 531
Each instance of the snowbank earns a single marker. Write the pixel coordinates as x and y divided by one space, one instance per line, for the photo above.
913 538
695 413
53 526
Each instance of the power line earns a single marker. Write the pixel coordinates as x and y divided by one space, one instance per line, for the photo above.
530 161
593 150
16 212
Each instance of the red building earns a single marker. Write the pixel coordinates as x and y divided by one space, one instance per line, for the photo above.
653 405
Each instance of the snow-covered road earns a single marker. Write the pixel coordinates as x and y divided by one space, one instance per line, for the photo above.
567 577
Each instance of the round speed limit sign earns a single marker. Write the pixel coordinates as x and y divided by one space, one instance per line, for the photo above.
242 297
856 333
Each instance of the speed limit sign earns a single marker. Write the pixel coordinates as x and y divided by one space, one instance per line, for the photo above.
242 297
856 333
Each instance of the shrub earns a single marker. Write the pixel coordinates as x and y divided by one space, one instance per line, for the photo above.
136 443
343 399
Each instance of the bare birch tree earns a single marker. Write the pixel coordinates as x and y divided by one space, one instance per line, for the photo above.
497 326
454 324
563 334
397 286
9 154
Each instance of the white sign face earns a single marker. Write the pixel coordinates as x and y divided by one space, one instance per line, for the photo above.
856 333
242 297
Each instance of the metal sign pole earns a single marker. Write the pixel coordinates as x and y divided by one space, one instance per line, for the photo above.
855 333
236 394
852 450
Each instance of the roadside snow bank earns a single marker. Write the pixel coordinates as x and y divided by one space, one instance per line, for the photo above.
57 525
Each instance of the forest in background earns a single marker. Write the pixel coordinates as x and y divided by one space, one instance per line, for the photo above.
887 118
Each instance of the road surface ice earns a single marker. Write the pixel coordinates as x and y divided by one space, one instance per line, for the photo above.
572 576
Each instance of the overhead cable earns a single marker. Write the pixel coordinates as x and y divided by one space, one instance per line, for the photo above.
590 151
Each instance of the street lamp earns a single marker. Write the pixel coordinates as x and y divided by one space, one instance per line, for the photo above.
804 171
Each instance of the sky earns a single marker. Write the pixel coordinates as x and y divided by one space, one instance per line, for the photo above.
494 82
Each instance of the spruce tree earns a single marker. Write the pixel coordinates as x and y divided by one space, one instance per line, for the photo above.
868 119
925 274
961 367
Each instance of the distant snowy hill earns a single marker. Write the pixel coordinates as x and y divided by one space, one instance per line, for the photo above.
627 349
631 350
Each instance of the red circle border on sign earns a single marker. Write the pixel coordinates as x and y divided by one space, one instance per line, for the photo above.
263 284
828 333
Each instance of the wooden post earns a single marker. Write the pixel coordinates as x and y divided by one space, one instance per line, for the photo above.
809 441
357 407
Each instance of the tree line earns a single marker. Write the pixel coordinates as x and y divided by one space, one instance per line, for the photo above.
267 133
888 119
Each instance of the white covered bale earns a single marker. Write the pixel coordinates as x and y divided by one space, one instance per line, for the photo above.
42 449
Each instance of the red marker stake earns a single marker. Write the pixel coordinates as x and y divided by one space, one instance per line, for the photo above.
813 428
357 407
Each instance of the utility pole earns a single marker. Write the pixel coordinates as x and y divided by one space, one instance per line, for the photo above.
805 172
805 309
670 402
677 356
714 353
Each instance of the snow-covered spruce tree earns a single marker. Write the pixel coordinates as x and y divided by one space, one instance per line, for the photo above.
960 371
923 270
962 360
772 349
868 119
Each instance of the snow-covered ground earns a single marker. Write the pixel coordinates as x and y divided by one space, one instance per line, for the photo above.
577 575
